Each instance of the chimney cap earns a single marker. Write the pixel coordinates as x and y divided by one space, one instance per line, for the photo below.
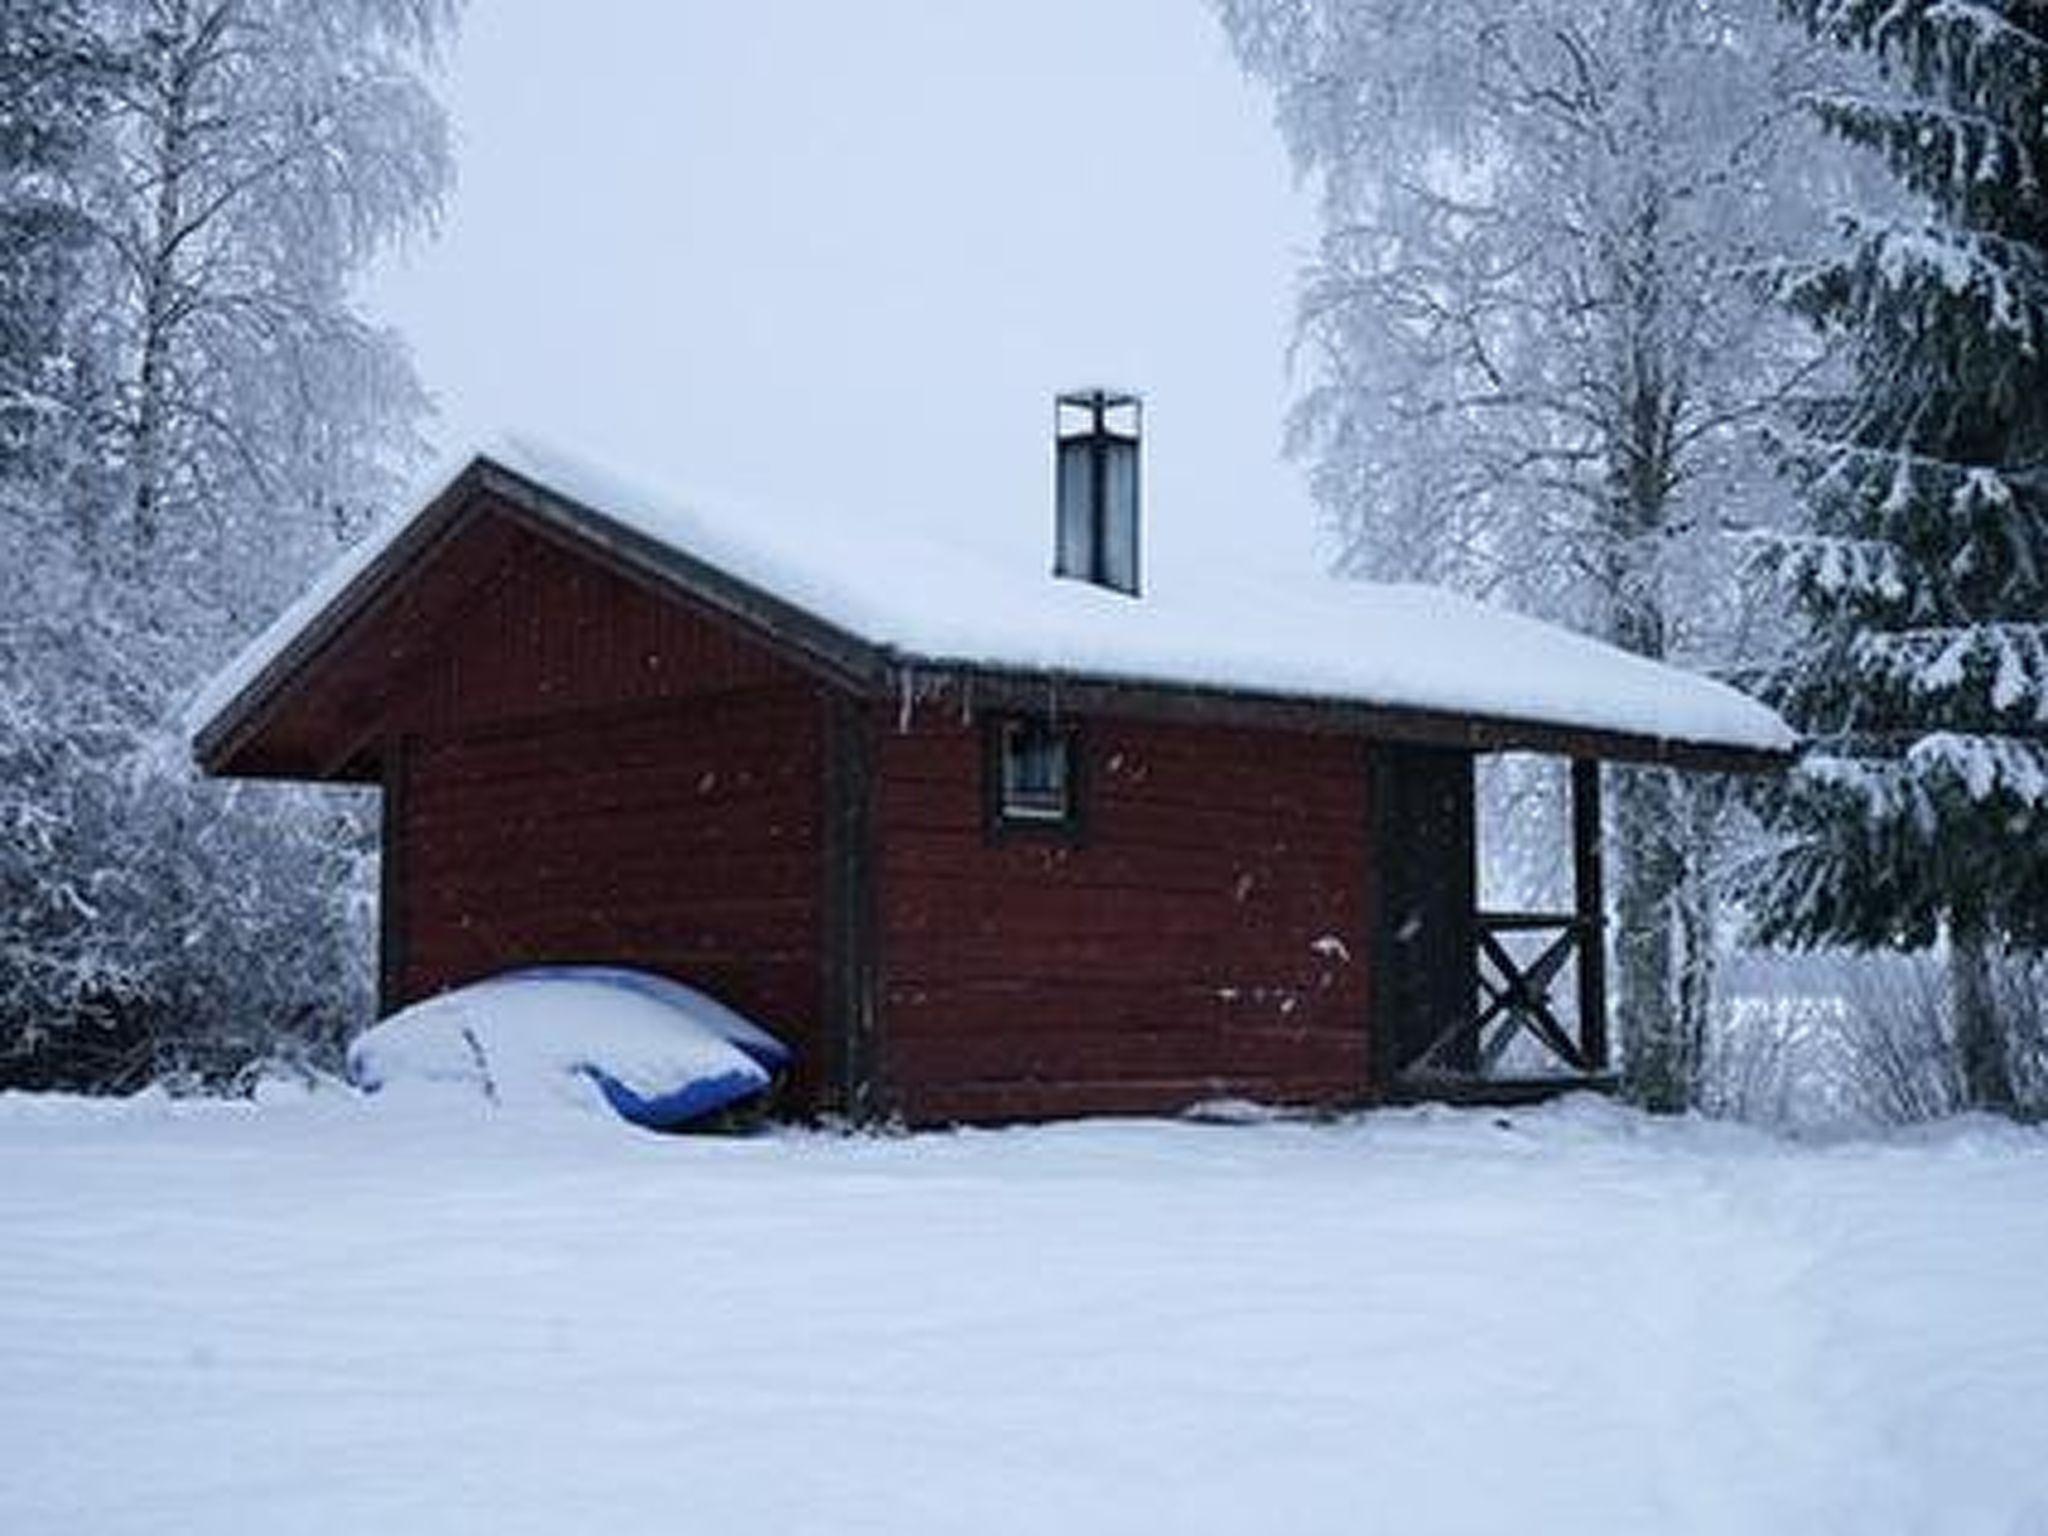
1095 394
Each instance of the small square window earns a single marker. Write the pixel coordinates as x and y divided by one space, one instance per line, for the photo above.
1034 773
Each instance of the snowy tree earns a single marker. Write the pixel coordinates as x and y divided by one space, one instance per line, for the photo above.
1923 814
261 152
1543 340
54 79
53 86
50 88
215 419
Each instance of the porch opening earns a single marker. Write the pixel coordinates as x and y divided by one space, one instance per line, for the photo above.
1492 928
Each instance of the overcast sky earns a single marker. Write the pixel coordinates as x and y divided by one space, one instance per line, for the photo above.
839 257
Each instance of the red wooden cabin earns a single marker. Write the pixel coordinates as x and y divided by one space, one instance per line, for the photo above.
980 864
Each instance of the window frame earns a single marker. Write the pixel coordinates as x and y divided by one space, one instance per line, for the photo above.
1002 821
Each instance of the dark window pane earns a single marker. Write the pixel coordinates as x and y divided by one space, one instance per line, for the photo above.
1036 771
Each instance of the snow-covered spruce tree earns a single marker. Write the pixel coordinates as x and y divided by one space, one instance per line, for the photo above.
237 421
1922 814
1542 342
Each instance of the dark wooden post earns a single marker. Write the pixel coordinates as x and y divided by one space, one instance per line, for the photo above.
1426 949
850 937
1590 902
391 881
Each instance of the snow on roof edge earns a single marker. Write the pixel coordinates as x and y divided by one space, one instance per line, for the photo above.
1719 717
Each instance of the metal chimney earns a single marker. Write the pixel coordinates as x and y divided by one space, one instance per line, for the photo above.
1097 488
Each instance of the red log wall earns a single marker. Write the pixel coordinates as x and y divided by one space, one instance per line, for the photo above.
586 772
583 770
1207 937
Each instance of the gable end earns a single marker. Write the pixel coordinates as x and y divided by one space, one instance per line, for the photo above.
383 620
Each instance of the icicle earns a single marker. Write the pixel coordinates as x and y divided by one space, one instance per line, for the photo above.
906 702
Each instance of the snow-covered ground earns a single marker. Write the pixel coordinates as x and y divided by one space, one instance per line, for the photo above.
323 1315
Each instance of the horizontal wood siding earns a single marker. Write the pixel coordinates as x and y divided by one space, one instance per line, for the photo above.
1205 937
595 774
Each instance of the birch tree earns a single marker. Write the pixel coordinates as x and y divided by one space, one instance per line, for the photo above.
260 152
1541 340
227 421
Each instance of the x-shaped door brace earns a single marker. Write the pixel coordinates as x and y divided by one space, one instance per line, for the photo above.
1519 1000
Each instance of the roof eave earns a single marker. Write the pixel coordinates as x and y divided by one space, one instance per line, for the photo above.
999 687
865 668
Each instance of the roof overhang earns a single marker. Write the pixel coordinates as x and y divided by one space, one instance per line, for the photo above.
228 730
1150 699
240 719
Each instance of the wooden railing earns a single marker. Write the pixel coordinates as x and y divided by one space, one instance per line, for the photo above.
1517 1001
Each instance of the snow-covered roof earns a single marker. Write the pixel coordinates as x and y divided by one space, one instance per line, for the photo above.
925 602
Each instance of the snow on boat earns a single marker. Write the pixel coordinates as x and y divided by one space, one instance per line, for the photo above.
658 1053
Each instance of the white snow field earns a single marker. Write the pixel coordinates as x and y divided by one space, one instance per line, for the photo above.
410 1316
